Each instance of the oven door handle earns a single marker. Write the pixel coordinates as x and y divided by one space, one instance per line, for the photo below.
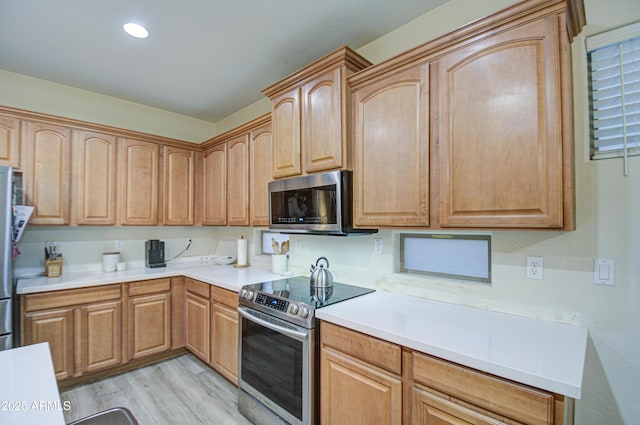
281 329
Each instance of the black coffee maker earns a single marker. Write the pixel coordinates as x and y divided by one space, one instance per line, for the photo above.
154 253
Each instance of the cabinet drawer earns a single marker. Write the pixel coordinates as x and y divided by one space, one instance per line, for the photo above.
149 287
197 287
379 353
224 296
516 401
55 299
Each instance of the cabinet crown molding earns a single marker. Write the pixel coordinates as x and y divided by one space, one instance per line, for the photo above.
518 14
343 56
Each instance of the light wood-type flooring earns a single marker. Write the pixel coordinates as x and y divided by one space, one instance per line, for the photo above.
180 391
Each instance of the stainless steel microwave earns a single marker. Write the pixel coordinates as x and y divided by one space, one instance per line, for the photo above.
316 203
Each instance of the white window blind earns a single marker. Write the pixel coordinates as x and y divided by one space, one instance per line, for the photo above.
614 77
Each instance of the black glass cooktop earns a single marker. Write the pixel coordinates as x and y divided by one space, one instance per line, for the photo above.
297 289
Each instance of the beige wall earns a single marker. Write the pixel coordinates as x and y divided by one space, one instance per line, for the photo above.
34 94
607 227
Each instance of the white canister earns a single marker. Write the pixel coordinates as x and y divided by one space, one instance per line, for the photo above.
279 263
110 261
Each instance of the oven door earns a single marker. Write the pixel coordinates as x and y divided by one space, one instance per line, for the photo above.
276 365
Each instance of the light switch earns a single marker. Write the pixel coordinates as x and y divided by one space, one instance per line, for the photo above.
604 272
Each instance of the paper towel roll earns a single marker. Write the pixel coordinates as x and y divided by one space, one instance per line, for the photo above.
242 252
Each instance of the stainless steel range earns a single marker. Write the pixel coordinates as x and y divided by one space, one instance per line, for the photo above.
279 348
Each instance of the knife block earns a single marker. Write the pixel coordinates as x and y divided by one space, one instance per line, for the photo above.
53 268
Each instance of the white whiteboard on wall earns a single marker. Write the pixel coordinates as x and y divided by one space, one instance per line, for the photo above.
455 256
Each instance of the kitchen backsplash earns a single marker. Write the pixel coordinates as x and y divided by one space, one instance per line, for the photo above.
82 247
352 260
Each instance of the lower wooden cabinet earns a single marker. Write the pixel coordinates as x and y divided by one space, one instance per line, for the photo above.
99 343
224 333
211 326
98 328
224 341
442 389
356 392
431 409
149 318
55 327
82 326
360 381
365 380
197 320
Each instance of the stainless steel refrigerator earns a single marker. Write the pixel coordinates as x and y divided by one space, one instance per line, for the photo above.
7 302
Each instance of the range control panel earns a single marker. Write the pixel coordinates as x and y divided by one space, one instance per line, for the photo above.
271 302
298 313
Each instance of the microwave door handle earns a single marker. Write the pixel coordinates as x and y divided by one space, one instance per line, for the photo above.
281 329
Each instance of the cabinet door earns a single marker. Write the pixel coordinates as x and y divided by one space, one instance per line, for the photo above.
238 183
48 172
224 341
139 186
197 328
215 186
501 135
391 160
149 324
430 409
259 175
285 118
323 141
94 178
354 392
100 337
179 186
10 141
56 328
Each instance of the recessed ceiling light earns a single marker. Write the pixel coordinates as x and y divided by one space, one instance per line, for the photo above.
136 30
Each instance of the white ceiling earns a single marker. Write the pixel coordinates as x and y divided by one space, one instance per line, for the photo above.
204 58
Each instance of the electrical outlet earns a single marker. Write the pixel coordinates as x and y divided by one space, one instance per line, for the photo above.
535 267
204 259
377 246
297 247
118 245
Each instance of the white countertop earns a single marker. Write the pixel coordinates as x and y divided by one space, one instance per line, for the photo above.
535 352
227 277
29 391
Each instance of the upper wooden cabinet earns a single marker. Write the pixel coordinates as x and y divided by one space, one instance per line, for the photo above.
391 155
237 170
502 146
179 186
260 141
10 141
310 114
47 171
214 186
482 119
94 178
238 181
285 118
139 182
